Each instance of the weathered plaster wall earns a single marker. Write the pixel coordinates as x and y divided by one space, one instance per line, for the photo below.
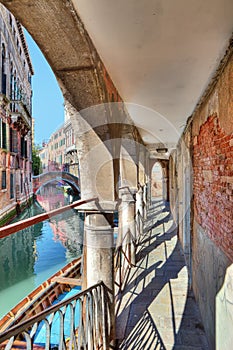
209 271
180 183
212 229
201 198
173 185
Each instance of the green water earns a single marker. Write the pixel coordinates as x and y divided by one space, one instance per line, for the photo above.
30 256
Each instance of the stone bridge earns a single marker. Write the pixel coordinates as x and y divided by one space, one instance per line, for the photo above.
56 176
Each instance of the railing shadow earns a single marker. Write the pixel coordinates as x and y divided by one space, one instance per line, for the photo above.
149 291
137 316
137 340
154 242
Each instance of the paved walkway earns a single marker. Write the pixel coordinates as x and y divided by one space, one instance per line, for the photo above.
157 310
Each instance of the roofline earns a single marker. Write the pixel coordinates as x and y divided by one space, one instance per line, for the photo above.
25 47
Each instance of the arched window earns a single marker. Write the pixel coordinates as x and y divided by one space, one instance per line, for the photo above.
15 86
11 81
3 70
18 90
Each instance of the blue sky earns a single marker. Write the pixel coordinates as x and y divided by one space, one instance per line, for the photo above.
47 105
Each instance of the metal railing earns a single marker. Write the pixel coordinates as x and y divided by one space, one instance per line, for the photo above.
88 315
124 259
125 252
20 225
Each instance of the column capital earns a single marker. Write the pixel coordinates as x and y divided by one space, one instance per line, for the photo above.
127 194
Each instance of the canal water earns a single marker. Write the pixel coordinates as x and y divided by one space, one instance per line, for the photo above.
30 256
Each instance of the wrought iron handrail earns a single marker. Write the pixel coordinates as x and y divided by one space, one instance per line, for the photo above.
20 225
123 260
93 330
125 253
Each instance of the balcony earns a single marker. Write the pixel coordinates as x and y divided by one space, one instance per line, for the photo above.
20 114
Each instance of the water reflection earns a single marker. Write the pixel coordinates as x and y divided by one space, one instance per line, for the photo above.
18 255
67 227
30 256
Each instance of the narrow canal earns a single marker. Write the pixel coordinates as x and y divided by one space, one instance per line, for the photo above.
30 256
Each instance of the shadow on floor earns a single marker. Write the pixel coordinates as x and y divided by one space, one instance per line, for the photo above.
160 266
143 336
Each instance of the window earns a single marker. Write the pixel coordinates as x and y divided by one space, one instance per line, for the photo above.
3 69
23 147
29 78
11 82
4 144
3 179
21 183
13 141
12 186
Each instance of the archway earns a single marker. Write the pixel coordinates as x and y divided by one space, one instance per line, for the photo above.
56 176
157 181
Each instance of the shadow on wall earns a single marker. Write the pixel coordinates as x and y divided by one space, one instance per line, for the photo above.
224 312
213 288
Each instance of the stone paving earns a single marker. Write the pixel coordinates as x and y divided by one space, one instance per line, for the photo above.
157 310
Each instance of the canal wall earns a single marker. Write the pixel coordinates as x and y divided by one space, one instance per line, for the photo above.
11 213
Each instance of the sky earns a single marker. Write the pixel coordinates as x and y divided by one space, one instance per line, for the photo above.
47 101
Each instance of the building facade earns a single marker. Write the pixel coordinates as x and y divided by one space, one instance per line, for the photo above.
15 115
71 155
52 152
60 152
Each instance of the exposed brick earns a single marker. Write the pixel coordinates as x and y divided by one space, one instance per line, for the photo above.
213 183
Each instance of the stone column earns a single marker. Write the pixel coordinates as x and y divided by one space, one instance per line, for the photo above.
139 211
149 192
145 202
127 224
99 249
165 188
98 257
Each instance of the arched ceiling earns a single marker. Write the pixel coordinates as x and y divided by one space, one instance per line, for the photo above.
161 54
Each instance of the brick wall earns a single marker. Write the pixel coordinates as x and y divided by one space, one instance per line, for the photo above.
213 183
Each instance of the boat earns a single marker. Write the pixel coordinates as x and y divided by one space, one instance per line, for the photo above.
44 295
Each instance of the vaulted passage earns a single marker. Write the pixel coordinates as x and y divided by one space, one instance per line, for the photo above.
145 84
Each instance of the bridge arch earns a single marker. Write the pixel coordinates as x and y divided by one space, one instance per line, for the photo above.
56 176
